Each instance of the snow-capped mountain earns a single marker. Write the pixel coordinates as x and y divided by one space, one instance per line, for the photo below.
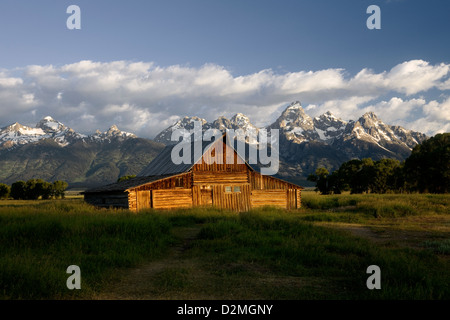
52 150
238 121
329 127
371 137
306 143
49 128
297 127
58 132
186 123
111 133
18 134
295 124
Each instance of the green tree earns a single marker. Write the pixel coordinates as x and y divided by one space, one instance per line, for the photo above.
427 169
320 177
44 189
4 191
126 178
18 190
383 179
363 178
347 175
32 191
59 188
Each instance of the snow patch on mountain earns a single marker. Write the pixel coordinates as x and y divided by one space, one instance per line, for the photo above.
49 128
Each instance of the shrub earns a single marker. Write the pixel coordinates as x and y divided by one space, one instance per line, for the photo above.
4 191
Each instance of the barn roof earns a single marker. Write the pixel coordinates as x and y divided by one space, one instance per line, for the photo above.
163 163
129 183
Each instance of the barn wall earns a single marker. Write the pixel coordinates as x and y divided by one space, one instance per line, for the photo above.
261 182
277 198
237 201
211 177
169 199
299 198
132 200
210 160
143 199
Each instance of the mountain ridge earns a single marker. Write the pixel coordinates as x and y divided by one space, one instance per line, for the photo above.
51 150
49 128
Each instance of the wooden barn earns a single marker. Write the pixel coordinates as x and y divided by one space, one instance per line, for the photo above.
226 184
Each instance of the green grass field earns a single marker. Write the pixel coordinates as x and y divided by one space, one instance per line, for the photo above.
321 251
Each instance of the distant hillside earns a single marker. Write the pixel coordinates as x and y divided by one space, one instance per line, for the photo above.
84 163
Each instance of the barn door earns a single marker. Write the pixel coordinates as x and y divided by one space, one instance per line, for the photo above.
143 200
235 197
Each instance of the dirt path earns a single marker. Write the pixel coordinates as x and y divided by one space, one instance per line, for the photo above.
144 282
392 234
183 276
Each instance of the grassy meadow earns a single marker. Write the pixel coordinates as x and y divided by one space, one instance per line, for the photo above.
320 251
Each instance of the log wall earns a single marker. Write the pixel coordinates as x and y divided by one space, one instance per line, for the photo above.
277 198
172 198
261 182
211 177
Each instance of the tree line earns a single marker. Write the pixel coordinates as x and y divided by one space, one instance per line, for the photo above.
33 189
427 169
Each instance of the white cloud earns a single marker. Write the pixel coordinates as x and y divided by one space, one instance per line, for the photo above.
144 98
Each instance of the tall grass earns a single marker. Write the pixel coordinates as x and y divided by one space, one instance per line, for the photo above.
362 207
39 242
294 248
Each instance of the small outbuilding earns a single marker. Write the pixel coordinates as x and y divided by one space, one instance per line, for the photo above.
233 185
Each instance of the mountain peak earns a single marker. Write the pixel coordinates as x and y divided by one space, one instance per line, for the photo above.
51 125
295 105
370 115
240 119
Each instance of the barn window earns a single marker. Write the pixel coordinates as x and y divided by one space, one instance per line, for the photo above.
227 189
237 189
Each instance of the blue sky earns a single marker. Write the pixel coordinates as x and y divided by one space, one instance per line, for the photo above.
172 58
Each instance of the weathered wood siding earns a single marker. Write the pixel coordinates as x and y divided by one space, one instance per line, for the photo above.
211 177
220 158
237 201
132 200
202 195
299 198
143 199
277 198
261 182
171 198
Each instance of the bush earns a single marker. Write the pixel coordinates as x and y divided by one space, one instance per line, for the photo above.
18 190
34 189
4 191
